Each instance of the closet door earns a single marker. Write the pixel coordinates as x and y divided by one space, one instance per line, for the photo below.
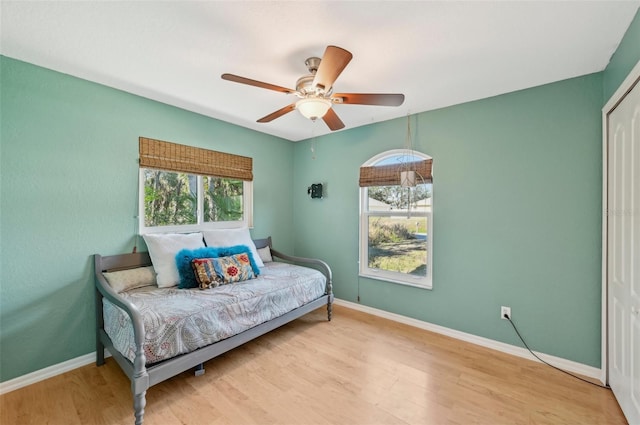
623 253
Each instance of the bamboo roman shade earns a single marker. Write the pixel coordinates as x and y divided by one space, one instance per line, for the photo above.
389 175
188 159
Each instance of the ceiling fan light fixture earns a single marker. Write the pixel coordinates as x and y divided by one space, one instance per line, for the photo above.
313 107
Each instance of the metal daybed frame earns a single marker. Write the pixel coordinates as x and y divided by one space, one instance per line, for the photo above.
142 376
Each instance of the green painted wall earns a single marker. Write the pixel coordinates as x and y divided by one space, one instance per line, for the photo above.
69 170
624 59
517 204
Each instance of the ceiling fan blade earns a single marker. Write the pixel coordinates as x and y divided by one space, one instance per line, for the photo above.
332 120
370 99
277 114
333 62
256 83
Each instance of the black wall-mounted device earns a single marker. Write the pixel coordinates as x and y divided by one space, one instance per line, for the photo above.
315 190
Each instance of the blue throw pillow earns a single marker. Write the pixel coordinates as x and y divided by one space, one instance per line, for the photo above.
186 256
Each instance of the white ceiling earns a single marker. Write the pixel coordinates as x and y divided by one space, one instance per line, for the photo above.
438 53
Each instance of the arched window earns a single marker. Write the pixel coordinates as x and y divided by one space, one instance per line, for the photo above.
396 218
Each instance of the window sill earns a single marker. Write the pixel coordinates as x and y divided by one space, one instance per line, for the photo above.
190 228
376 276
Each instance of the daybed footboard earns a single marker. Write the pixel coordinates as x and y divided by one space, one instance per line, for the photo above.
136 371
143 376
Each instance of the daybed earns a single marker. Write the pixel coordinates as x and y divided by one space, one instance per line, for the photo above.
284 291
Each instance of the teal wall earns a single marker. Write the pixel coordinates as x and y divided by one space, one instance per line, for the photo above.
517 206
624 59
69 151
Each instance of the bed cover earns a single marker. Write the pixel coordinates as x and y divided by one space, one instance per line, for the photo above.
178 321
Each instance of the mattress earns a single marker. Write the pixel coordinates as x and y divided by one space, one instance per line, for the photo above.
178 321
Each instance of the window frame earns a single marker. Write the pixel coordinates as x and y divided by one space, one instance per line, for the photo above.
385 275
247 207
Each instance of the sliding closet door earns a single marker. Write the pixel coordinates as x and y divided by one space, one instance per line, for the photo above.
623 253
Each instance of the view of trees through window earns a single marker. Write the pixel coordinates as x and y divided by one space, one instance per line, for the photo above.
222 199
171 198
400 197
398 228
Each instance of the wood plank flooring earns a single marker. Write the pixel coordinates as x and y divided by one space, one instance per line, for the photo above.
356 369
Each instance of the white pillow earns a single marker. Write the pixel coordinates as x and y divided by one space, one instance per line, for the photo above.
231 237
163 249
123 280
265 254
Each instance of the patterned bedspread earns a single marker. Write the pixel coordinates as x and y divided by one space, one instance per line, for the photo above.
178 321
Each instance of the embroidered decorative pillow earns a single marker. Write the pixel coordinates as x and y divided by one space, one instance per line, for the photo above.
184 258
205 273
212 272
235 268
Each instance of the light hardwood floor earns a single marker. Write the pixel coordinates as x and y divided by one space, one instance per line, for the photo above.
356 369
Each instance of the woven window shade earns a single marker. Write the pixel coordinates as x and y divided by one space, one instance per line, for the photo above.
389 175
188 159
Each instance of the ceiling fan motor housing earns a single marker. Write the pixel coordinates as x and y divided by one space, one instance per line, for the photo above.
304 85
312 64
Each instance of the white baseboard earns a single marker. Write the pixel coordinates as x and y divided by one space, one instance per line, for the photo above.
48 372
568 365
559 362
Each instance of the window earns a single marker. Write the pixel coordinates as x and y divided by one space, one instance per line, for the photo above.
396 222
178 193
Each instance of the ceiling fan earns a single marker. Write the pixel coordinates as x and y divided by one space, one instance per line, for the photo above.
315 90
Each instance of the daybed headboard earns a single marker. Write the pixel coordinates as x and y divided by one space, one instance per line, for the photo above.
142 259
261 243
124 261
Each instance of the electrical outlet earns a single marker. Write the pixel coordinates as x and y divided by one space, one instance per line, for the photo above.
505 311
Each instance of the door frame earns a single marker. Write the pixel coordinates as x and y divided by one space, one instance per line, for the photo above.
627 85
